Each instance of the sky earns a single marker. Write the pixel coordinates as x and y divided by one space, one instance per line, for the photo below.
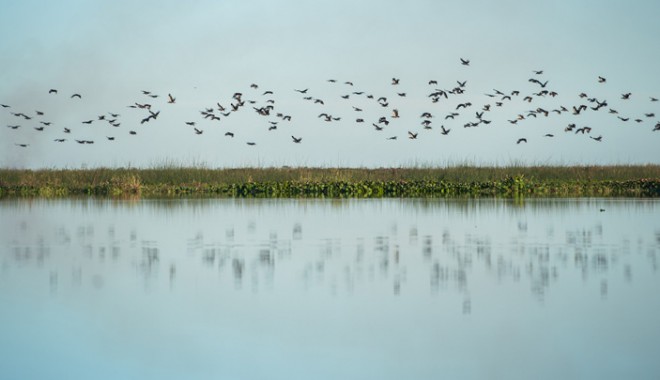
202 52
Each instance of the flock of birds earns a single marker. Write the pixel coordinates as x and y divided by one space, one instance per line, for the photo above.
265 107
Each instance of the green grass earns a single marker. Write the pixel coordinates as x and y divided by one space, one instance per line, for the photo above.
512 181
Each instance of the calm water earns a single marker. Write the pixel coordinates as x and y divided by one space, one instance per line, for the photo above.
328 289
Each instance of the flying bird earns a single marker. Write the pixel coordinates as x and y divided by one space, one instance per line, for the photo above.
296 140
412 136
171 99
521 140
465 62
76 96
52 91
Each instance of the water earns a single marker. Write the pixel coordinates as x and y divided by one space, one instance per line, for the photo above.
329 289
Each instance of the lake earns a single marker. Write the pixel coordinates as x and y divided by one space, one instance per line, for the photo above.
329 289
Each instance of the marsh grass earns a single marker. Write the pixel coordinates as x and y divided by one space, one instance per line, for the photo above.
173 180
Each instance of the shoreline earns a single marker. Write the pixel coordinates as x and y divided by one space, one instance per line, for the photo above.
460 181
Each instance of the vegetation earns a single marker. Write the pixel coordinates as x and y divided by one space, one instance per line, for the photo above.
544 181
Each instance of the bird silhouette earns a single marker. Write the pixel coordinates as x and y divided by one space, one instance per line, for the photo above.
412 136
302 91
599 138
296 140
198 131
22 145
76 96
229 134
250 143
171 99
444 130
601 79
521 140
59 140
52 91
465 62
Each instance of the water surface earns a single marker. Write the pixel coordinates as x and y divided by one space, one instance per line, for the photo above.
329 289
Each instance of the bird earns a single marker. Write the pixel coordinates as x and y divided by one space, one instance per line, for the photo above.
395 113
67 130
601 79
538 72
191 123
391 138
549 135
88 122
465 62
13 126
198 131
652 99
229 134
302 91
395 81
76 96
250 143
461 84
401 94
625 96
296 140
444 130
110 138
412 136
4 106
132 132
22 145
39 128
59 140
521 140
52 91
378 127
171 99
46 123
599 138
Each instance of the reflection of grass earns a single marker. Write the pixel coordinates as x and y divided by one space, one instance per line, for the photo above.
338 182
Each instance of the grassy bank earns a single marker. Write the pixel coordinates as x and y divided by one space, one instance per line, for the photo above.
545 181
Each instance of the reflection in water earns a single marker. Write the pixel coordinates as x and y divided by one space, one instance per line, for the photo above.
350 244
364 275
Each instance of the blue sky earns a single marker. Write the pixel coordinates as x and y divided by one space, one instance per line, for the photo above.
202 52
